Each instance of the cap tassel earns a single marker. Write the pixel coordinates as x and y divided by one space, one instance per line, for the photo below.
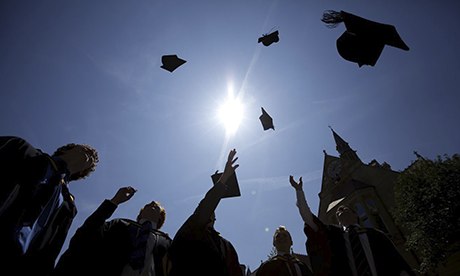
332 18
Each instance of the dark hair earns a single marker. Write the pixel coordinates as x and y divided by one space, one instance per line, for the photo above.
88 150
162 218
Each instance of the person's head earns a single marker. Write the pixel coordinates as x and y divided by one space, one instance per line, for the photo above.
282 240
154 212
81 160
211 221
346 216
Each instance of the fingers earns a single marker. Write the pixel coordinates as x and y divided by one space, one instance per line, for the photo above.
131 192
128 192
231 154
123 194
230 166
232 161
296 185
129 189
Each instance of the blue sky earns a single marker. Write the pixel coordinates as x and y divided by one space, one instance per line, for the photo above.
89 72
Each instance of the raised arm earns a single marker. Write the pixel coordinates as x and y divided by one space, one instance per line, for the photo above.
212 198
97 219
123 194
304 210
90 234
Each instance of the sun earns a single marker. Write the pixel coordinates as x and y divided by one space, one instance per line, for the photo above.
231 113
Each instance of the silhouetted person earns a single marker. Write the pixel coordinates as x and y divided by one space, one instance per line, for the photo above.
347 249
197 248
119 247
36 207
284 263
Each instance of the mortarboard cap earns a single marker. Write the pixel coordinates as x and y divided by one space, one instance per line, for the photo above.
233 189
171 62
266 120
268 39
363 40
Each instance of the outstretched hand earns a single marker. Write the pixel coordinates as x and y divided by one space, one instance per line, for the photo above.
229 166
123 194
296 185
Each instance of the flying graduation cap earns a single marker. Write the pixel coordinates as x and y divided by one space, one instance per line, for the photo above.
363 40
233 189
268 39
266 120
171 62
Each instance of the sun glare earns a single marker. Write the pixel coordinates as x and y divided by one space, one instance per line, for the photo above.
231 113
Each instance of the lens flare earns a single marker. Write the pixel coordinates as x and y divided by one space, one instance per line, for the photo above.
231 113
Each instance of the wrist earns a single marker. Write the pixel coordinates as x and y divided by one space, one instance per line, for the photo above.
115 201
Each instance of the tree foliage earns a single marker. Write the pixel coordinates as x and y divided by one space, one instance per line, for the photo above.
272 253
427 198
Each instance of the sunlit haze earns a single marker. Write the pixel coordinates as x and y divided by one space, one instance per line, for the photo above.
231 112
90 72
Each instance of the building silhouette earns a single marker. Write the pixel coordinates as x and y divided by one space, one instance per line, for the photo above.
367 188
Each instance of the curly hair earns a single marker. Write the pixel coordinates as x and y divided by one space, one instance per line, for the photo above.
162 218
90 151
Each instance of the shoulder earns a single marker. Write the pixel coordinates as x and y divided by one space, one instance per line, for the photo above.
270 266
11 140
162 234
120 223
298 261
267 264
118 227
318 223
126 221
17 146
277 259
222 238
